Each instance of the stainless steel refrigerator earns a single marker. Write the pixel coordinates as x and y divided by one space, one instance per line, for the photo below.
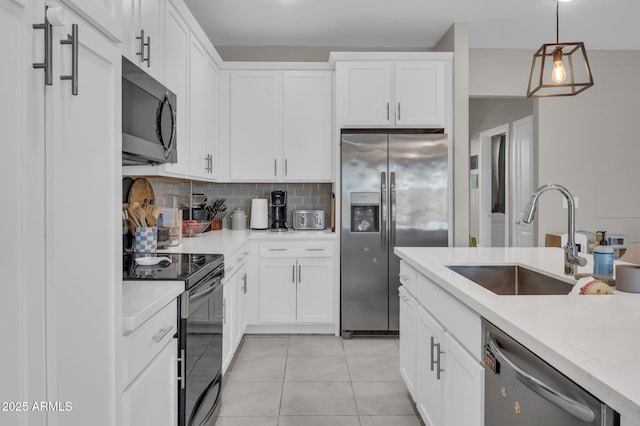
394 194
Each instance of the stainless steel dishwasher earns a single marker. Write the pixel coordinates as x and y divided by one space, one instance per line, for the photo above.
522 389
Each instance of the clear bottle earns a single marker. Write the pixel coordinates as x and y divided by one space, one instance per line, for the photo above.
603 258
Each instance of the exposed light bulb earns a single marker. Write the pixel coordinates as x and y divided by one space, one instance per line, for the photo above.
558 73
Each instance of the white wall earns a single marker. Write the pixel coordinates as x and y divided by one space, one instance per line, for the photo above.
587 143
457 40
485 114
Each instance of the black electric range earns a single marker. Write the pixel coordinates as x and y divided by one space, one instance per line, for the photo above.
200 326
190 268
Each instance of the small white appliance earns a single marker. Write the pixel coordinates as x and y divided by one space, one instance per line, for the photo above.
259 213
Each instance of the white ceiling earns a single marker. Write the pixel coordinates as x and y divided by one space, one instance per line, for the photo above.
600 24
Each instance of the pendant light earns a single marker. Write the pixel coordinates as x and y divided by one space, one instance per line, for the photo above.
560 69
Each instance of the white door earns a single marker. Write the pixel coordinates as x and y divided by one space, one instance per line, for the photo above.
522 189
176 75
22 255
463 386
152 14
307 119
430 388
255 139
419 94
83 172
409 341
367 94
152 398
277 290
103 14
315 290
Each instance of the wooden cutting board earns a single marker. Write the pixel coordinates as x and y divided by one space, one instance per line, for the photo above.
141 191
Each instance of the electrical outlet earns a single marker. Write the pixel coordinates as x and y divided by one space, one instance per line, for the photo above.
565 205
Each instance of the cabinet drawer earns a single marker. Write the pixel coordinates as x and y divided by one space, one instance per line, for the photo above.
296 249
408 277
144 343
457 319
235 260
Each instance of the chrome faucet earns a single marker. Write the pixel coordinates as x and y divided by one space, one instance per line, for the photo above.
571 258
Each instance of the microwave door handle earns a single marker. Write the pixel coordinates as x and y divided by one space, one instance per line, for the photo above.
568 404
166 101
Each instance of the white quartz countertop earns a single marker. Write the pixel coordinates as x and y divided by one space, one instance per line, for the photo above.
594 340
226 241
142 299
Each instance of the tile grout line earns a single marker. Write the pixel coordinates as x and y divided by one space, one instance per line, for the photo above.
284 373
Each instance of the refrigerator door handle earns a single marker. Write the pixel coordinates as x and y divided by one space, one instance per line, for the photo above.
383 211
392 179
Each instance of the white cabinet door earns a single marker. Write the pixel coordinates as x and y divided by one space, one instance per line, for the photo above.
199 160
211 119
176 73
315 290
103 14
277 290
409 342
430 388
463 383
228 326
255 138
144 50
307 122
22 307
152 398
367 94
419 94
83 145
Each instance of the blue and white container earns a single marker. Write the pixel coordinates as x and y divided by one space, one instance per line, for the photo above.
603 261
145 240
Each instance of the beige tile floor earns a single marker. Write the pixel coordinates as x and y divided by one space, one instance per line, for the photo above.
315 380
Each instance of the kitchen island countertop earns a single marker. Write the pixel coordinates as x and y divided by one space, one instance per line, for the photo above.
594 340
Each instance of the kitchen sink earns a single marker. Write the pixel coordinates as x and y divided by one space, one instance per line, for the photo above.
512 280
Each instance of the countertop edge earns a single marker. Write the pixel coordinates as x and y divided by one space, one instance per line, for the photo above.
141 301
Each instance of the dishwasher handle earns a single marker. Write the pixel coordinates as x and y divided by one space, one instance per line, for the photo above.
568 404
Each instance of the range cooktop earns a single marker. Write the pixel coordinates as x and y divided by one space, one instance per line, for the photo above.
184 267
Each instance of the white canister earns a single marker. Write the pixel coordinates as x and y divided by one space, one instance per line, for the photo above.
238 219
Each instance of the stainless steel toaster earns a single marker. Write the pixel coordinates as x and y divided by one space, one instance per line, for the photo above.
308 219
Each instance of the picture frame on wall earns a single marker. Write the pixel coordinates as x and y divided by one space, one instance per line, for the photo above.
473 162
473 181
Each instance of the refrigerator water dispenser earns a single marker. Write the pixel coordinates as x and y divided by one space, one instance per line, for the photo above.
365 211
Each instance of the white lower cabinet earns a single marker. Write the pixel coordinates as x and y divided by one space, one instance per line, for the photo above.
409 342
296 282
150 372
152 398
234 311
448 377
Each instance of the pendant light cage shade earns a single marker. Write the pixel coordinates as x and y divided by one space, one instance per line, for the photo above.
577 73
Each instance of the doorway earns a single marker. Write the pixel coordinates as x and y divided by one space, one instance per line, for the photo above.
494 187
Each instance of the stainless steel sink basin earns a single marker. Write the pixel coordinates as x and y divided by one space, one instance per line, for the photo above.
512 280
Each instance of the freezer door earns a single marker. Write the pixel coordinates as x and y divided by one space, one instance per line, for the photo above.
364 237
418 201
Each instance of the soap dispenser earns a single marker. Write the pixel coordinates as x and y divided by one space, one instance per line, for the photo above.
603 258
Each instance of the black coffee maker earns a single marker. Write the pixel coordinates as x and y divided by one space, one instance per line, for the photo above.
278 211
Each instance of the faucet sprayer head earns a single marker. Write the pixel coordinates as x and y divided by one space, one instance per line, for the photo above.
529 211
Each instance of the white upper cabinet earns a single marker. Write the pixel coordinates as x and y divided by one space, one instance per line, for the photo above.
199 157
394 94
280 125
307 122
211 120
419 94
105 15
367 94
255 129
143 35
176 78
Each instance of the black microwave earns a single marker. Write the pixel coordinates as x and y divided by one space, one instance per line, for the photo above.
148 118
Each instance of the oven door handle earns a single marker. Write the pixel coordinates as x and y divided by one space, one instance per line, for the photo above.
568 404
200 295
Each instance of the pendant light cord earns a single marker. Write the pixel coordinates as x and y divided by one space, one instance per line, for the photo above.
557 22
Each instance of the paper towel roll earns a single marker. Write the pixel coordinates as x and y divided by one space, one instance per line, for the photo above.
628 278
259 213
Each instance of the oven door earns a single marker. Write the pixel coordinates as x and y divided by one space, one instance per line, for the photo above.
199 402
